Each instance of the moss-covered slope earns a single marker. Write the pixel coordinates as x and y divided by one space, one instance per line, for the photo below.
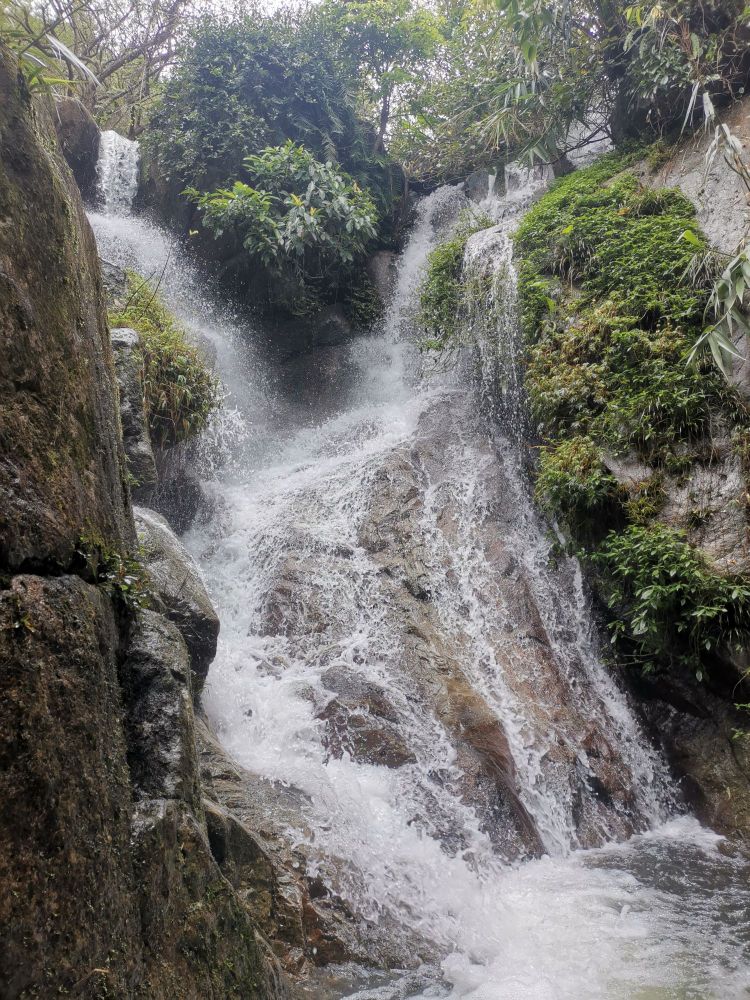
643 459
610 311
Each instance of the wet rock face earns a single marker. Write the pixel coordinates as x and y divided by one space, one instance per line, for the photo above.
65 865
79 140
159 714
135 431
362 722
426 589
61 473
179 587
698 726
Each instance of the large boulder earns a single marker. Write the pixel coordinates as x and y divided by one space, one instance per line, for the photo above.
79 137
135 431
159 713
178 584
61 460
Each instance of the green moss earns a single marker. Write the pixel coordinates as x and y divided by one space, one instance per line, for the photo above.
609 316
180 390
607 352
441 293
669 607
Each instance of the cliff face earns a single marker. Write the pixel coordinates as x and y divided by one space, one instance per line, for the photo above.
109 885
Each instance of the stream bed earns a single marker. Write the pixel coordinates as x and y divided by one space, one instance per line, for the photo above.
402 660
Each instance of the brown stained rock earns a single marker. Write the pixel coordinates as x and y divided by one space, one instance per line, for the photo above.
362 722
468 717
62 472
363 738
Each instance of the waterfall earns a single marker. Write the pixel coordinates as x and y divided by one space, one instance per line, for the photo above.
414 691
117 173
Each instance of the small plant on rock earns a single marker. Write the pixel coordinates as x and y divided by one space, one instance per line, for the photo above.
180 390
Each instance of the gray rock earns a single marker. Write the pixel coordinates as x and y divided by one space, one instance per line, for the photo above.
135 432
159 712
381 270
178 584
477 184
710 505
721 200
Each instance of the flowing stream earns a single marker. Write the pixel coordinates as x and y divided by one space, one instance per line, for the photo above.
401 655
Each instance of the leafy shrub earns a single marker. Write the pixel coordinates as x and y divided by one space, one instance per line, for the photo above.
669 606
181 392
303 221
121 576
573 483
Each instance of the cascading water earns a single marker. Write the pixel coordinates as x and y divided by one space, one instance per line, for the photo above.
402 667
117 172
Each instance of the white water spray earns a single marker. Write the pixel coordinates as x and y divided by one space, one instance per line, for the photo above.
117 173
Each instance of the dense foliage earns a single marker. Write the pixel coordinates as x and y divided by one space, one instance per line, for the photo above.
302 221
668 605
180 390
250 83
609 360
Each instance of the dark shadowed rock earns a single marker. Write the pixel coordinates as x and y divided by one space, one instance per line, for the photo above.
79 140
381 269
199 939
178 584
109 888
135 431
68 902
159 713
